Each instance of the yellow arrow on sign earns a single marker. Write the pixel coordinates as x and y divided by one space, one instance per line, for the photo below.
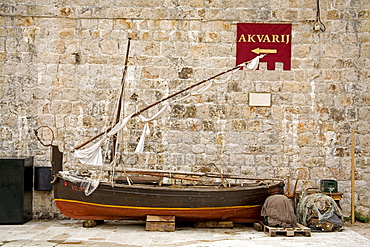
259 51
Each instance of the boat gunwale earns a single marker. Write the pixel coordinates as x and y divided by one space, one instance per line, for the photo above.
197 188
194 187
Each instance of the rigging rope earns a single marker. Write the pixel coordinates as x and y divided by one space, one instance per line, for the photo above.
93 154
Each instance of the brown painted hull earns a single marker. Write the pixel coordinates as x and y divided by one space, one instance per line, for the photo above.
239 204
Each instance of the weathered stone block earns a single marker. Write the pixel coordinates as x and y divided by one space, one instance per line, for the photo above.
265 172
249 170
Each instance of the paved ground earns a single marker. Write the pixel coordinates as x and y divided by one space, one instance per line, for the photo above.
68 233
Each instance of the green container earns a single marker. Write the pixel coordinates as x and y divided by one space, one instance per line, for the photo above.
329 186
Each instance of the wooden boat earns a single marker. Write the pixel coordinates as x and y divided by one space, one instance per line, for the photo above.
239 201
235 202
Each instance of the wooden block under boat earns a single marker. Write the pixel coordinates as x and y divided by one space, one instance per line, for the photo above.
160 218
214 224
257 226
160 223
92 223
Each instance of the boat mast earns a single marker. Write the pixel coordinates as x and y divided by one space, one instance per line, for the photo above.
120 108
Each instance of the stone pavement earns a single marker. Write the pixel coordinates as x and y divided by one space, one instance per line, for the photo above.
68 233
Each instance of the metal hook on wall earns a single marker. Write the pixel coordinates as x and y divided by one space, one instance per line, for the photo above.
319 26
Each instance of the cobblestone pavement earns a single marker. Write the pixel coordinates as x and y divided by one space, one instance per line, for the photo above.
127 233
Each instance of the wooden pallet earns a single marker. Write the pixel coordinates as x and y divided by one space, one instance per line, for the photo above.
289 232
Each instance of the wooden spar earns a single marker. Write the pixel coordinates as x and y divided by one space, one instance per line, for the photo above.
186 89
118 117
195 174
164 99
172 173
165 175
353 177
121 97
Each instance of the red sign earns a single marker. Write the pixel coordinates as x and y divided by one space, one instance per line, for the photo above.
259 38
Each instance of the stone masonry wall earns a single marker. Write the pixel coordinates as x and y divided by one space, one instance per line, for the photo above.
62 62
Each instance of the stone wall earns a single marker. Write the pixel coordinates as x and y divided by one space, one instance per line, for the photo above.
62 64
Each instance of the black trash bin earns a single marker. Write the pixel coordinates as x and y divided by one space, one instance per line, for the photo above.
43 178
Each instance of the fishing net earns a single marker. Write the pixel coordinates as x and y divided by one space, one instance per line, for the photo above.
89 184
319 212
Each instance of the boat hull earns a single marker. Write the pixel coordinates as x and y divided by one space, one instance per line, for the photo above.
239 204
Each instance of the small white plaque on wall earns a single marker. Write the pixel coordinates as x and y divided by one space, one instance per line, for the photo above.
259 99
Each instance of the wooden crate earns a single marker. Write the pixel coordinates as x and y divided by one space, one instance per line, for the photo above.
289 232
163 223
